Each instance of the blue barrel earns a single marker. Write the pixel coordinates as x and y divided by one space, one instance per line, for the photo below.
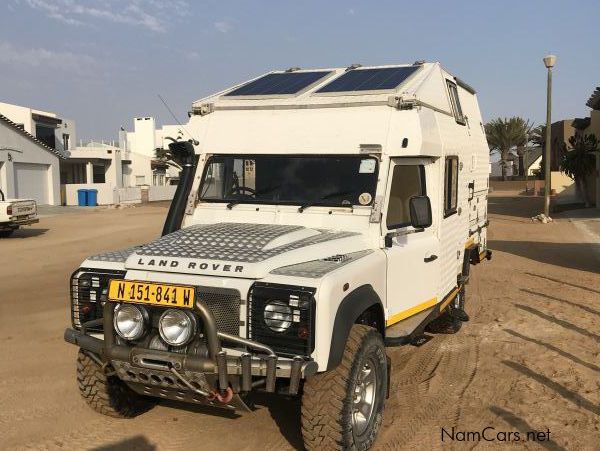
92 197
82 197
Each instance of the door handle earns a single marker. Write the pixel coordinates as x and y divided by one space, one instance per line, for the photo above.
430 258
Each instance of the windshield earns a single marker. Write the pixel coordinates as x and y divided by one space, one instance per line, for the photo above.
290 180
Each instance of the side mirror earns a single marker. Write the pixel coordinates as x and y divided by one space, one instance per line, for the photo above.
420 212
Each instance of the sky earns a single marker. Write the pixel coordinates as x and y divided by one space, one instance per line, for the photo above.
103 62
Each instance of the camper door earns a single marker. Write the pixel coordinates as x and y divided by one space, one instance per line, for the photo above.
413 263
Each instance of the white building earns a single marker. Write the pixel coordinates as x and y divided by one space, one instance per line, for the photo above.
54 131
145 139
106 168
29 168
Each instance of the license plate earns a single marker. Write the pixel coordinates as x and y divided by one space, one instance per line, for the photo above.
151 293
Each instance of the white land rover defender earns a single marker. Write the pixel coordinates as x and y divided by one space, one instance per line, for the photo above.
321 216
15 213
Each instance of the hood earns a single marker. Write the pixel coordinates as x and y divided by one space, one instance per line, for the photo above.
236 249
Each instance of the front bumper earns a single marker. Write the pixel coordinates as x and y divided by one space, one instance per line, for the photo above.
163 373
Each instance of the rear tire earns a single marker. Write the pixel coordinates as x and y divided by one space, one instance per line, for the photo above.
448 322
343 408
107 395
6 233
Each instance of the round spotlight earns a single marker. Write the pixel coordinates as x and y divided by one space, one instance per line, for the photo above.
176 327
130 321
278 316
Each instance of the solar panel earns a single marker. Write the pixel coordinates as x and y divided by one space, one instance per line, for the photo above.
279 83
370 79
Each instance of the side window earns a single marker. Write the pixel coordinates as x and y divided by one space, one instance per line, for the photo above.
455 102
450 186
407 181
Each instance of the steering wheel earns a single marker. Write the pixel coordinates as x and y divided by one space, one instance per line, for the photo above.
242 191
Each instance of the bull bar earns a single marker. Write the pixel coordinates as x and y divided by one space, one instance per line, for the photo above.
262 362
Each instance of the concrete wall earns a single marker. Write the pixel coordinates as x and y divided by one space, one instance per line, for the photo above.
16 148
105 192
141 166
157 193
143 138
19 115
67 127
127 196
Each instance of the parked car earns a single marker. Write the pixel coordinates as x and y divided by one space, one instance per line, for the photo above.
321 216
15 213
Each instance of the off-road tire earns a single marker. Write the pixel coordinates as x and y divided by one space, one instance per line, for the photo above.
327 401
447 323
107 395
6 233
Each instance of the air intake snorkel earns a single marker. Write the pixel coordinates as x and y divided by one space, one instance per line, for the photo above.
183 153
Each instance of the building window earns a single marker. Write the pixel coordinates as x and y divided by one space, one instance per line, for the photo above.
140 180
65 141
46 135
455 102
450 186
99 174
407 181
158 179
72 173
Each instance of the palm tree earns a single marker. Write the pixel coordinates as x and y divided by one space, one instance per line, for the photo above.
538 137
505 134
579 161
165 156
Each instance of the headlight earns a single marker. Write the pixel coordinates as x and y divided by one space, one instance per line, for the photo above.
278 316
130 321
176 327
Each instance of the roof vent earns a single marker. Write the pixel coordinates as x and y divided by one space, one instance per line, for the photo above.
419 63
353 66
293 69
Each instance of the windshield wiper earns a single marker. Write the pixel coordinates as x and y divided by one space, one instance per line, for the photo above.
232 204
327 196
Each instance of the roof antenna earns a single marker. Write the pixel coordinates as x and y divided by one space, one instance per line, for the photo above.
194 141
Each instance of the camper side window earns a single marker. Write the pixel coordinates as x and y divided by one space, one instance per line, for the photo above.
407 181
450 186
455 102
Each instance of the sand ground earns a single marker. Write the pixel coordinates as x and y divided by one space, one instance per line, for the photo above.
529 360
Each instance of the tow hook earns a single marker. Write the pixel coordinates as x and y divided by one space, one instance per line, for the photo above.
225 397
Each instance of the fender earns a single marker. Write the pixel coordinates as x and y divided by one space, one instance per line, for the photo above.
350 309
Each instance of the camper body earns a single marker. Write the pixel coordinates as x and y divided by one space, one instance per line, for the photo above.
324 215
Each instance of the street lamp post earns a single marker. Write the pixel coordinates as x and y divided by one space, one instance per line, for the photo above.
526 163
549 62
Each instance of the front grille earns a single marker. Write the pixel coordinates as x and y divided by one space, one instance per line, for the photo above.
298 339
88 293
89 290
224 303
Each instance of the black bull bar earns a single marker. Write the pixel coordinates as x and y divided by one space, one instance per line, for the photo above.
257 361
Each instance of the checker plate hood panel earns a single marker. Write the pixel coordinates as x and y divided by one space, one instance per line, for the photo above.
234 249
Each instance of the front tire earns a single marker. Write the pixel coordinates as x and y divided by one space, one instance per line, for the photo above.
343 408
107 395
